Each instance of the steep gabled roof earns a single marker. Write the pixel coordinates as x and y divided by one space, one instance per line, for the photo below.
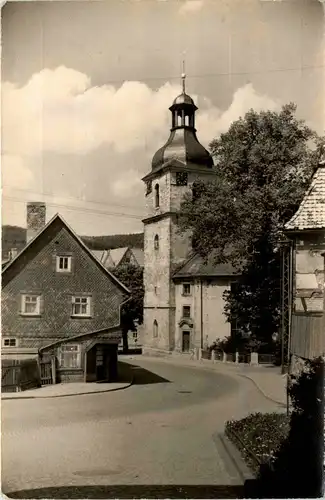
98 254
117 254
196 266
139 255
42 236
311 213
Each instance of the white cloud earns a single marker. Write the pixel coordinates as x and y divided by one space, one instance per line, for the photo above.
58 128
191 6
59 111
212 122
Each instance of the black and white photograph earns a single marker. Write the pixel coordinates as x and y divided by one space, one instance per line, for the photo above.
163 249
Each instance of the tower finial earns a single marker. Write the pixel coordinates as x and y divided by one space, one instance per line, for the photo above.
183 74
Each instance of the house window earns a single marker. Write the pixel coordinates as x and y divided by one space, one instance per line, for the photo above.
80 306
9 342
70 356
157 201
31 305
181 178
63 264
156 242
155 329
186 311
186 289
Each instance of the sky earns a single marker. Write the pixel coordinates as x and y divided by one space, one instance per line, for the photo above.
86 88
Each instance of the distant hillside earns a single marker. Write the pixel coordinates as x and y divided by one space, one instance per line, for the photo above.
15 237
12 237
114 241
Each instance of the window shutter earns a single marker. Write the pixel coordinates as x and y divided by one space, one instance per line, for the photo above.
91 306
71 264
41 305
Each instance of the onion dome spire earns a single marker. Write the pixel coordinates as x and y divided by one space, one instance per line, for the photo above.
183 144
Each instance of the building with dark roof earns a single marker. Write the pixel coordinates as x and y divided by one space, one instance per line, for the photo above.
183 303
58 300
306 230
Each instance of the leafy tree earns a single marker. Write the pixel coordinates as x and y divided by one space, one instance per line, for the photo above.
132 311
263 165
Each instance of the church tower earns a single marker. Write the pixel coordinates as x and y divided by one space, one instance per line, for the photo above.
175 166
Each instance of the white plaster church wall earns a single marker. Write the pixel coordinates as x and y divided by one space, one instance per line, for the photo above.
163 182
157 285
215 325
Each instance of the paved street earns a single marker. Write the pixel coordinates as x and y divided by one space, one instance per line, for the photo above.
161 431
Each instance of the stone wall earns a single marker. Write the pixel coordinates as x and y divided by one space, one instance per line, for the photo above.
160 264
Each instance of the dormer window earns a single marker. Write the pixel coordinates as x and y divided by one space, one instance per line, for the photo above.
63 263
181 178
157 201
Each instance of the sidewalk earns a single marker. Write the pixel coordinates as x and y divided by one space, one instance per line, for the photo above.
68 389
267 378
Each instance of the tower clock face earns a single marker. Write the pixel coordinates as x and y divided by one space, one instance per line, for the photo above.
181 178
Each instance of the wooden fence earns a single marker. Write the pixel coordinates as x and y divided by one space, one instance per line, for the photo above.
307 335
19 375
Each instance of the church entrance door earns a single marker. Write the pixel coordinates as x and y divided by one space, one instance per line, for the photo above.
186 341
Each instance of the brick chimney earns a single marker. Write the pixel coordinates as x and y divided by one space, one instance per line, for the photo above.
36 218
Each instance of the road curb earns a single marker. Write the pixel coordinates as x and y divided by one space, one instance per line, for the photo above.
280 403
73 394
214 368
235 456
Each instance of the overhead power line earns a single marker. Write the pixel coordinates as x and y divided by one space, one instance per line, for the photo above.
82 210
96 202
217 74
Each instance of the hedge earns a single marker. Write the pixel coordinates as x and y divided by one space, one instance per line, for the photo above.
287 455
258 436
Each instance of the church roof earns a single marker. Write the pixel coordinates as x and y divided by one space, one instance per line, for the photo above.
183 146
196 266
311 213
183 99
